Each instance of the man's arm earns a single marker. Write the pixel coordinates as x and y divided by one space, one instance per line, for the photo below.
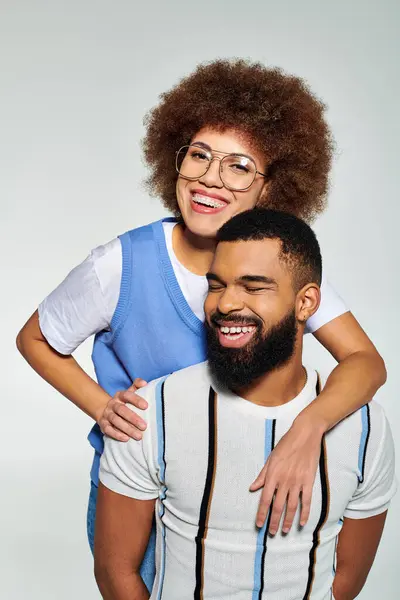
357 546
125 509
123 528
366 511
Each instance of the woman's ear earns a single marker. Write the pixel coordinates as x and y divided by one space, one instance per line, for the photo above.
307 302
265 191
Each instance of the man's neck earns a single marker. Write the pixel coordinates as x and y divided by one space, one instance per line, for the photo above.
277 387
193 252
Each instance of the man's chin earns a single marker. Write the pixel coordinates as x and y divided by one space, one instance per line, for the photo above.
237 359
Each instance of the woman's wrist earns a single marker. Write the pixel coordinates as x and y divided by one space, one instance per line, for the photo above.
311 419
99 410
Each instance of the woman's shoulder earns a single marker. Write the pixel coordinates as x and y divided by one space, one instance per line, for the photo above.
106 260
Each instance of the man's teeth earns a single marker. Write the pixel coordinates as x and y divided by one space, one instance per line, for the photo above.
247 329
212 202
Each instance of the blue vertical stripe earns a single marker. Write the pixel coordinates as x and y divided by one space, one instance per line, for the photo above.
162 466
365 427
268 446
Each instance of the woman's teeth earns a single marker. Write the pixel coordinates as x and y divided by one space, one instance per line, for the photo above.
207 201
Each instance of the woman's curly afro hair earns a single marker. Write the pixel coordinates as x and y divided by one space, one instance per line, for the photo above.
277 112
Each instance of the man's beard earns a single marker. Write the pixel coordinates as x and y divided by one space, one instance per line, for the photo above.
237 368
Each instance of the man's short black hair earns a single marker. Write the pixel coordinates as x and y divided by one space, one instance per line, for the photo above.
299 246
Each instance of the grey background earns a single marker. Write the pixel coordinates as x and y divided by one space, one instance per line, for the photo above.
76 80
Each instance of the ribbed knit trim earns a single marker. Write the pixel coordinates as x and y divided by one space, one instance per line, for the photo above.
171 283
125 289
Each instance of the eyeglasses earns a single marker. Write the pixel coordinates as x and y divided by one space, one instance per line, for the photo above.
237 171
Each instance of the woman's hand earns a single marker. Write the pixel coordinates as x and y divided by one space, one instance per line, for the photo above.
288 474
120 422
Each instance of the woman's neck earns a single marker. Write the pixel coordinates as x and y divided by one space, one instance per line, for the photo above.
194 252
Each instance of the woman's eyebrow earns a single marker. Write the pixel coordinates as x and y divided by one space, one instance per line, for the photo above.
207 147
202 145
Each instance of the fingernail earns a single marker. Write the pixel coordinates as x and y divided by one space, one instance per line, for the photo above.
285 530
272 531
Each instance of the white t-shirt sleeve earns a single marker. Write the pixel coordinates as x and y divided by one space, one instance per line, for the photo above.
331 306
373 495
128 468
84 303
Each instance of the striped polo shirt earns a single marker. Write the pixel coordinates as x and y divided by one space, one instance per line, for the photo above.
202 449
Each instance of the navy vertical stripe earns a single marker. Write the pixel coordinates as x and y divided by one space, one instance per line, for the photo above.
207 494
160 408
323 472
321 521
262 538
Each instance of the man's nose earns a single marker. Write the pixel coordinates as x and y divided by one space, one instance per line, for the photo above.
212 178
229 301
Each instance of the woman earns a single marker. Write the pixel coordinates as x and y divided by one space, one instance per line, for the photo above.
231 136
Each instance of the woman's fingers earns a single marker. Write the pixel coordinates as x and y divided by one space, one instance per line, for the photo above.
137 384
306 503
129 416
287 476
123 426
291 509
113 433
264 506
120 422
260 480
130 397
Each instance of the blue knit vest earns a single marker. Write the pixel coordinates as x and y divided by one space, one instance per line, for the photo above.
153 331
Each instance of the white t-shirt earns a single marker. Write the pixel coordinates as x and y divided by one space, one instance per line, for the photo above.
199 454
84 303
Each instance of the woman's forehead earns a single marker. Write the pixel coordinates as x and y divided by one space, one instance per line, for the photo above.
227 141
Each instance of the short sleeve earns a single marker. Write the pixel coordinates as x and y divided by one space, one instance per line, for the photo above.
331 306
375 492
127 468
84 303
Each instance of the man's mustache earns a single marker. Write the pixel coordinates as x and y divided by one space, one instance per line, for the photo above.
217 318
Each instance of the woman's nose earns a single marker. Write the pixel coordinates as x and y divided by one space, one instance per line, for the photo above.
212 178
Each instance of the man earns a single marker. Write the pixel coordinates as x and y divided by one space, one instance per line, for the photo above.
212 426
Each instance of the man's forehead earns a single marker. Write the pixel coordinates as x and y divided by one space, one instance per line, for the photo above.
258 257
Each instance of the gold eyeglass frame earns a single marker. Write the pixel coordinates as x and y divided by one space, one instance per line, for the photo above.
226 154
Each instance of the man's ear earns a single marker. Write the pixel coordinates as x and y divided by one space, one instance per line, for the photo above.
307 301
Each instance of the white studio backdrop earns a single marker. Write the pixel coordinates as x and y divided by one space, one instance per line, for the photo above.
76 79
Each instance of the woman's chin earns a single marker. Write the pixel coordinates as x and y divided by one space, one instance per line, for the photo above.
204 225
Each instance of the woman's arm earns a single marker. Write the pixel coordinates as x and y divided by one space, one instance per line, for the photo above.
355 380
65 375
292 466
62 372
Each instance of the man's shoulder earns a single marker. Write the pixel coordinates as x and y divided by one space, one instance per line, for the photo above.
371 412
195 377
367 422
